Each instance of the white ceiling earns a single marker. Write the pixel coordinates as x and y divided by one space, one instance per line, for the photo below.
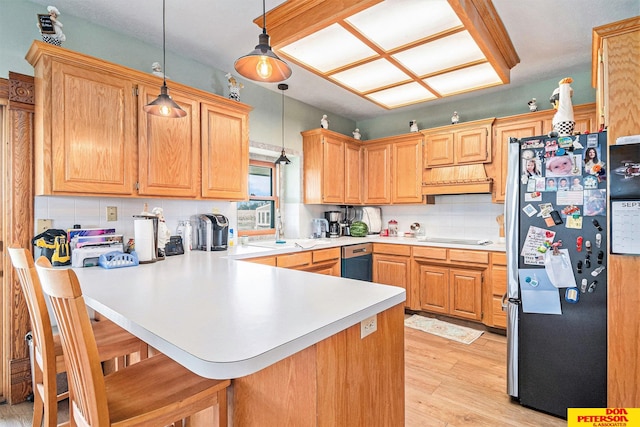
551 37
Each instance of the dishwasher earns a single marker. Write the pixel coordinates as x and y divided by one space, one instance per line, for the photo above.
357 261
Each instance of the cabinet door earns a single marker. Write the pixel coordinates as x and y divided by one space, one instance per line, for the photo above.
377 174
332 170
465 293
501 134
439 150
392 270
352 174
407 172
168 149
472 146
225 153
93 131
433 286
498 289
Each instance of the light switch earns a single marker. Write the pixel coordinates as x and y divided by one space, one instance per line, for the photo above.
112 213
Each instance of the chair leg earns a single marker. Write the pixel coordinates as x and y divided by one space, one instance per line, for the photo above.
38 409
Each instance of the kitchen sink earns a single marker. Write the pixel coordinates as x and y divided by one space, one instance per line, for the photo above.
476 242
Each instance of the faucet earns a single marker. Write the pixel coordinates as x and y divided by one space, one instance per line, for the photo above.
279 226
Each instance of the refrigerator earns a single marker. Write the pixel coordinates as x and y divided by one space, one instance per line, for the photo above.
556 302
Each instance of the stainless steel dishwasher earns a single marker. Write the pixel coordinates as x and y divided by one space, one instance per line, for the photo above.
357 261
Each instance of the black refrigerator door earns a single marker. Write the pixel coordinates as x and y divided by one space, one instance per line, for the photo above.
562 359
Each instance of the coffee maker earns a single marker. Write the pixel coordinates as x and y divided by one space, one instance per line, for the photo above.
334 223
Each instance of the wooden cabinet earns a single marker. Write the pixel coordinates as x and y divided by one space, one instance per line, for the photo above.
448 281
392 266
225 152
93 138
616 63
322 261
458 144
522 126
332 168
264 260
496 288
377 173
168 150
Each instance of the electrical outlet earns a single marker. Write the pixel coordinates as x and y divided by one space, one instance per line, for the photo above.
112 213
43 225
368 326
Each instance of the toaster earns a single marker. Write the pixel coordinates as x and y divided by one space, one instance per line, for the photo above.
211 232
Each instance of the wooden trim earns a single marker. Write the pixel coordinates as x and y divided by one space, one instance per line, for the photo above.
17 215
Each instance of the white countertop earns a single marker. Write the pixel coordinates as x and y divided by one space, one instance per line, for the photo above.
226 319
254 249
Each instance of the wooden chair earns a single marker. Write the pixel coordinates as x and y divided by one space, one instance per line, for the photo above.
156 391
48 359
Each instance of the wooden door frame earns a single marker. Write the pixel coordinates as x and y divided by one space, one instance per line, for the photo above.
17 100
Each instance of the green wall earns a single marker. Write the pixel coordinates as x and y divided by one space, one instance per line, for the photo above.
18 30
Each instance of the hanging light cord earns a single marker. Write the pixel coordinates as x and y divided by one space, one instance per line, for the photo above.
164 54
264 18
282 120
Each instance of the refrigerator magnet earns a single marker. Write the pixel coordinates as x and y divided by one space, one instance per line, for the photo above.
529 210
572 295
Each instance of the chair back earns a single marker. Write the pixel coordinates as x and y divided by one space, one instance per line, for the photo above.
86 380
43 343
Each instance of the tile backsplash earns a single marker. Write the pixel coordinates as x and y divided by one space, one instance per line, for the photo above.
467 216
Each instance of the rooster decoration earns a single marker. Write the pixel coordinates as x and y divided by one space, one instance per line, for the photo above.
563 122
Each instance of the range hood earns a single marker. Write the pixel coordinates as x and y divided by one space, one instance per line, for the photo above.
459 179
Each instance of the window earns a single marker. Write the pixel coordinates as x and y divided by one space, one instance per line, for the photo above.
257 216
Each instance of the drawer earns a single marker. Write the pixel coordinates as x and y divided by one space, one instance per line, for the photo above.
294 260
428 252
391 249
499 258
460 255
499 280
321 255
266 260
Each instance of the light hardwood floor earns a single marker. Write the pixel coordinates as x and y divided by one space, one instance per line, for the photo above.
453 385
447 384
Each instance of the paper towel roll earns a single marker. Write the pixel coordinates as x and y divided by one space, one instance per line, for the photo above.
144 238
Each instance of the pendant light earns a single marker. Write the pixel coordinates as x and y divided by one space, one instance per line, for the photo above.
283 160
262 64
163 105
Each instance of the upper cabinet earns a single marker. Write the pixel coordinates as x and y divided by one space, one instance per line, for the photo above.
525 125
93 138
332 168
458 144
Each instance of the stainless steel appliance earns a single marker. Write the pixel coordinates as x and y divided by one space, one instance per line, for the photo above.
334 223
212 232
348 216
357 261
557 299
370 215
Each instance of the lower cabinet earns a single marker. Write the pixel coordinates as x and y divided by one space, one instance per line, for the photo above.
392 266
321 261
497 281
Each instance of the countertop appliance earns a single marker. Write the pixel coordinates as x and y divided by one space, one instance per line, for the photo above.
348 215
212 232
357 262
333 217
557 361
370 215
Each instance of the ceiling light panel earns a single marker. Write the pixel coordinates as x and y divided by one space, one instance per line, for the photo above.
398 96
319 50
371 75
463 80
394 23
441 54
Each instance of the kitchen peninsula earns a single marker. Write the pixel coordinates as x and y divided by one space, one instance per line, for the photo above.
294 343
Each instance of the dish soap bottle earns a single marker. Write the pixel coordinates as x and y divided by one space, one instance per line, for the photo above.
231 240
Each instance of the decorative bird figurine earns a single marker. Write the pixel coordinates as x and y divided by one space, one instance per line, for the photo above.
455 118
324 122
533 106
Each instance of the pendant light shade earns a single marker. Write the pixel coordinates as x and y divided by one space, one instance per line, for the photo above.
283 160
163 105
262 64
